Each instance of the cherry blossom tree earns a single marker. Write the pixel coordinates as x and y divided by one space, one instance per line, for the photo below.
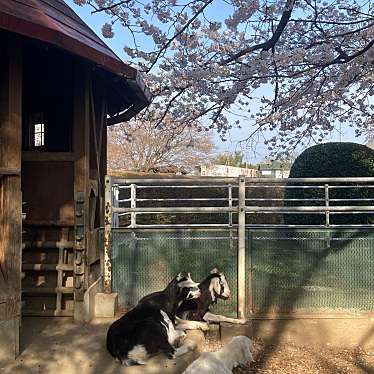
144 147
293 69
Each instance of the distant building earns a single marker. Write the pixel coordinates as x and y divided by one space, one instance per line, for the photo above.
275 169
226 171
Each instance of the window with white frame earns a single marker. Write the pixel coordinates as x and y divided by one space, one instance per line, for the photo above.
37 131
38 135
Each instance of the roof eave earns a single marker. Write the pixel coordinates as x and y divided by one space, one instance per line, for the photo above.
39 32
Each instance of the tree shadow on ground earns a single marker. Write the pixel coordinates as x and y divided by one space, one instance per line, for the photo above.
359 360
289 303
59 345
185 256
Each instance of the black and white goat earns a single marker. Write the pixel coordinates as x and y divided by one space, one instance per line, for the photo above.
149 327
192 313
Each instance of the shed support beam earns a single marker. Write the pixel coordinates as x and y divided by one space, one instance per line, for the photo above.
81 136
10 196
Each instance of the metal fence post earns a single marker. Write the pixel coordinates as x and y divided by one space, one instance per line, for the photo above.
230 204
133 204
327 203
241 248
107 265
327 216
230 219
115 203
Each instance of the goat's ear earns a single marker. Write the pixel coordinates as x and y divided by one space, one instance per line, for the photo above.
214 271
179 277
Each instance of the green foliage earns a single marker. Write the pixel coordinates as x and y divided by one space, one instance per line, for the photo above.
232 159
332 160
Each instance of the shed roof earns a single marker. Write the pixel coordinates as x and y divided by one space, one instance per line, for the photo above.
54 22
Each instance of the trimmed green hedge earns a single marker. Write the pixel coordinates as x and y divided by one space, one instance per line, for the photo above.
332 160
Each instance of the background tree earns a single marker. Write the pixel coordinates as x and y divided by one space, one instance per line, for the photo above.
232 159
143 147
331 160
295 68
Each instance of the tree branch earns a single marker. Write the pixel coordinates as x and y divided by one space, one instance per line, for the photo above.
266 46
166 45
109 7
168 107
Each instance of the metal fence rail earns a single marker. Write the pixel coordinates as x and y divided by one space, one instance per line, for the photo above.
126 200
245 207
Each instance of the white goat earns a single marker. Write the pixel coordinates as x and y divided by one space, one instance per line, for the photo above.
236 352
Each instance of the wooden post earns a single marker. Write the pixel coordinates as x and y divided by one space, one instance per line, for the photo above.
107 263
241 248
10 196
103 171
81 138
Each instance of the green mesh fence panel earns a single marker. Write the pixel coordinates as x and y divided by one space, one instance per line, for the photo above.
311 271
145 261
293 270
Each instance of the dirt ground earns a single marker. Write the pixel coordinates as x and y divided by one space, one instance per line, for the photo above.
292 359
288 358
57 345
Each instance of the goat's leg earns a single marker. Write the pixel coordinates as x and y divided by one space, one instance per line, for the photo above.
188 346
178 338
216 318
183 324
172 352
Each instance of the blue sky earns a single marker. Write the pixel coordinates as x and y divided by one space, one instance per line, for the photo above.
255 155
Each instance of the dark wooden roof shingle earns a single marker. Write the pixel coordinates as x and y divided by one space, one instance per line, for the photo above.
54 22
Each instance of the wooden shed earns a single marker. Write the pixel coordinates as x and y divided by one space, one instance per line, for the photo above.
60 86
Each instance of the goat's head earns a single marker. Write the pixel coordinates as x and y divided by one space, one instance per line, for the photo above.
188 289
219 287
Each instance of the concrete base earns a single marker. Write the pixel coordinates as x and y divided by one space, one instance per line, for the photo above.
333 332
229 330
89 299
9 341
329 332
84 311
214 332
106 305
